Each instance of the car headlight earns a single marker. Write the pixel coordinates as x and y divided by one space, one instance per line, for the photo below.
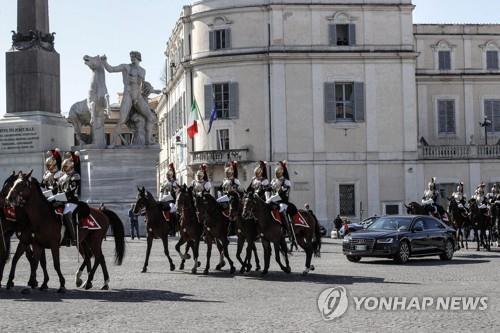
386 241
347 239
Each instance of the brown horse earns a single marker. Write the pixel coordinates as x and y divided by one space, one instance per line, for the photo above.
46 227
216 229
246 230
481 222
270 231
461 222
190 229
157 226
19 226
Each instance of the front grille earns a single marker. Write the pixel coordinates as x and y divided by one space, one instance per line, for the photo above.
369 242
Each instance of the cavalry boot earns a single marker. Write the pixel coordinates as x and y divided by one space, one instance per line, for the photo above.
70 229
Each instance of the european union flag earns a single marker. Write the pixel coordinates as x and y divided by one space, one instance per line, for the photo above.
213 116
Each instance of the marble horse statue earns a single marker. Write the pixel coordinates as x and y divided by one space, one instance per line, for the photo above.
93 110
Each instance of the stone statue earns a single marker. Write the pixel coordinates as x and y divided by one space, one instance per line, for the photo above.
136 122
133 83
94 110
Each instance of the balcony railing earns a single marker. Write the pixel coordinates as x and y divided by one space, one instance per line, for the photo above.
459 152
219 156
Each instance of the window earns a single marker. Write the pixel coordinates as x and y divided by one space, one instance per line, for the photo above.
221 95
220 39
492 60
446 116
492 111
444 60
431 224
347 201
344 101
223 139
225 97
392 209
342 34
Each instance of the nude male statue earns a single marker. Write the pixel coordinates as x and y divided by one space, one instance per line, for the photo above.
133 81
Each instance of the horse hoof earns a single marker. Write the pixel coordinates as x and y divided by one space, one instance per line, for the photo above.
257 268
287 270
33 284
199 263
312 268
61 290
79 282
232 270
249 268
172 267
181 267
144 270
305 272
242 270
205 272
263 273
88 285
44 287
26 291
220 265
9 285
186 256
193 270
105 287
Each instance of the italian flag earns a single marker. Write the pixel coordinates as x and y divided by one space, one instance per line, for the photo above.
193 128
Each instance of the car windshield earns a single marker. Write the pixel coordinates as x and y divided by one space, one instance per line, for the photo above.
391 223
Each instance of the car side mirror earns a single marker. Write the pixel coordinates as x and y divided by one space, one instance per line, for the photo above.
418 229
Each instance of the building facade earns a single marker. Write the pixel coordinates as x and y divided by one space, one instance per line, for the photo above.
364 105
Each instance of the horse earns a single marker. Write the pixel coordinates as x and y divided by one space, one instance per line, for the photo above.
246 230
414 208
17 224
460 221
190 228
216 229
92 111
157 226
480 223
270 231
495 219
46 227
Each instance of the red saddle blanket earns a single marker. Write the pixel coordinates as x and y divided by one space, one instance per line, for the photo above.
300 221
89 223
167 215
10 213
59 211
275 213
225 212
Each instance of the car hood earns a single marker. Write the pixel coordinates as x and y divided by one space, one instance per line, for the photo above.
374 233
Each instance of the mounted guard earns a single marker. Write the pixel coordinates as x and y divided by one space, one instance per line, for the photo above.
430 201
201 184
461 199
168 193
52 173
229 184
259 183
480 197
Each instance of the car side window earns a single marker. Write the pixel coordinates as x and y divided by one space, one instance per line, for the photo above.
419 224
431 224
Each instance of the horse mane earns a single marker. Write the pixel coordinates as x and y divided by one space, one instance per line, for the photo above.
149 196
38 190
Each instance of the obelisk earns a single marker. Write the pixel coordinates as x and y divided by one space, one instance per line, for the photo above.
33 123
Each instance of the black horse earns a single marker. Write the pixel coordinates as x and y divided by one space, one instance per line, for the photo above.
481 222
460 220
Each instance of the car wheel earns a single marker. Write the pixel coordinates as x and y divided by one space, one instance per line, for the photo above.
353 258
448 251
403 254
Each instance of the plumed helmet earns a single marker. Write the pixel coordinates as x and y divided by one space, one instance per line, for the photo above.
432 184
229 170
75 156
202 173
51 164
494 188
56 154
460 187
282 170
260 169
171 172
68 165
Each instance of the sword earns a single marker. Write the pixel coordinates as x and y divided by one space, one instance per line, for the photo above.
77 239
293 233
3 237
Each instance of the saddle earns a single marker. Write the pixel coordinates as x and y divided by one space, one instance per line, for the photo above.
167 215
276 215
9 213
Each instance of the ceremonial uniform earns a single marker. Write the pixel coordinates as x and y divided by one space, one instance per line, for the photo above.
460 197
480 196
201 185
431 196
230 183
51 175
259 183
167 190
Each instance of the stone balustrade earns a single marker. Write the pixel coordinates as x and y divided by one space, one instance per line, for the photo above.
459 152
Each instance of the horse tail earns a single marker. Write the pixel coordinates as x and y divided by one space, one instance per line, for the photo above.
119 234
317 241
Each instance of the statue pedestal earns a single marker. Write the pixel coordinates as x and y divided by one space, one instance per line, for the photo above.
111 176
26 136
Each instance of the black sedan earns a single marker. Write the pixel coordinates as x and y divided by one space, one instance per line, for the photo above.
401 237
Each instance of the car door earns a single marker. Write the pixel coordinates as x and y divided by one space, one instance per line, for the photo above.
434 234
418 244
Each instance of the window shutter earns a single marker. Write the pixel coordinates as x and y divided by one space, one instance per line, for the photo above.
352 34
441 117
359 101
450 117
444 60
496 116
228 39
211 40
208 100
492 60
233 100
330 114
332 34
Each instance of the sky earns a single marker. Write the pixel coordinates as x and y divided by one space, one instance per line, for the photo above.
115 27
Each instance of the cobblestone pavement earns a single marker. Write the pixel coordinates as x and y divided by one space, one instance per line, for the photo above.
164 301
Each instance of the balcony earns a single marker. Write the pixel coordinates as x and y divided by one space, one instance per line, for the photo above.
458 152
212 157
